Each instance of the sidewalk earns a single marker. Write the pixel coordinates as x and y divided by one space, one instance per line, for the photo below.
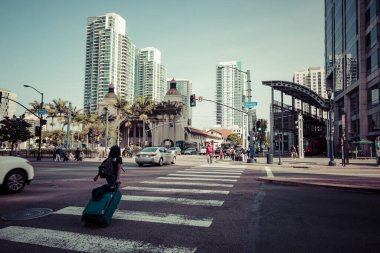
363 175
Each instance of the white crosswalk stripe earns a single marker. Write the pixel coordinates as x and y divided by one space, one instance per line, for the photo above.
174 219
216 170
214 166
176 190
187 183
209 176
82 242
181 201
198 179
208 172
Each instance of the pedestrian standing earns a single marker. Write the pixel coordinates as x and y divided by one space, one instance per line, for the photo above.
58 154
209 153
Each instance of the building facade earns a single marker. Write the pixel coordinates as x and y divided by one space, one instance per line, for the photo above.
185 88
229 91
352 66
150 74
109 59
7 107
314 79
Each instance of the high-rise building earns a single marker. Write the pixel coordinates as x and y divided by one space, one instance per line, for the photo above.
314 79
185 88
150 74
7 107
109 59
229 91
352 66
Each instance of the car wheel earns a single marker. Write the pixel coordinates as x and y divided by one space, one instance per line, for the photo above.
140 164
161 162
174 160
14 181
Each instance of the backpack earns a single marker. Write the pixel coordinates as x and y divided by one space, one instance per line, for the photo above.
106 168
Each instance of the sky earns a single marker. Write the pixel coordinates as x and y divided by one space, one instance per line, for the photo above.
42 43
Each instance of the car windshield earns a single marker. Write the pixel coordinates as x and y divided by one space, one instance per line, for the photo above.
149 149
172 148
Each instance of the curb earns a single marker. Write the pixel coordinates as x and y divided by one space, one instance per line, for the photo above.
320 184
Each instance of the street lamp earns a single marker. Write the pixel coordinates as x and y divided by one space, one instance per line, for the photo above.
251 158
106 131
39 132
329 94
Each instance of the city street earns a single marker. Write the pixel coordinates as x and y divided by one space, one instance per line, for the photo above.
190 207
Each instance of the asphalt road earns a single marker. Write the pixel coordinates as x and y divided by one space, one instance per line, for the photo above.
190 207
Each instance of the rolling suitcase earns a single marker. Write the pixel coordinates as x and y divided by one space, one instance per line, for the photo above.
101 211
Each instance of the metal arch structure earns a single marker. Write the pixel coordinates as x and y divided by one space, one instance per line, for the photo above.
300 92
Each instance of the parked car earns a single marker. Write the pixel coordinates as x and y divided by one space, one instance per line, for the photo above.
190 151
202 151
155 155
15 172
176 150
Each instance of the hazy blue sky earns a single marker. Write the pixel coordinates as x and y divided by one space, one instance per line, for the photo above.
42 43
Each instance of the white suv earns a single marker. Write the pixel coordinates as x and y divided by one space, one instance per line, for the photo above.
15 172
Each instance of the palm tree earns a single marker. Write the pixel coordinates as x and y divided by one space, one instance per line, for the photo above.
35 106
143 106
61 107
52 113
122 109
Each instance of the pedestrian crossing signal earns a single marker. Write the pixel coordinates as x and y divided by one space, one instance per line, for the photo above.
193 101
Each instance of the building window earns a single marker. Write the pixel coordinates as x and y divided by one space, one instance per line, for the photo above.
374 122
373 62
354 102
373 97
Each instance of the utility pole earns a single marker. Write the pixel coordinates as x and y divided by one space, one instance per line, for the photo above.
68 142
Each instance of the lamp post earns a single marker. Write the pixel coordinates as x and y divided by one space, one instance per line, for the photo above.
251 158
329 94
40 131
106 131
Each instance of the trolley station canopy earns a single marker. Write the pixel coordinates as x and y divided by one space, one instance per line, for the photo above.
300 92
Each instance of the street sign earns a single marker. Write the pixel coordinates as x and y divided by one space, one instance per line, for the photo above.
250 105
42 111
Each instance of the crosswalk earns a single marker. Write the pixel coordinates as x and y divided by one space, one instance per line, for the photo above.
197 187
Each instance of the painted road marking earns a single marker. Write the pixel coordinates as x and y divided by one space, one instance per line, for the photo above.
198 179
151 189
182 201
269 171
174 219
216 170
209 176
187 183
222 166
81 242
208 172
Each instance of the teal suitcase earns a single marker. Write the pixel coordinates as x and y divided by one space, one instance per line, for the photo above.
101 211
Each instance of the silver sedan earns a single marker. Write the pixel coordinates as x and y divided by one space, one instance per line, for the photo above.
155 155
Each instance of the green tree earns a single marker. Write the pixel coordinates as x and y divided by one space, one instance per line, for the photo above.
143 106
14 129
235 139
55 137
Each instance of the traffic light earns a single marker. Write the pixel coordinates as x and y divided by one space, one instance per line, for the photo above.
258 125
296 124
193 100
90 133
1 96
37 130
43 122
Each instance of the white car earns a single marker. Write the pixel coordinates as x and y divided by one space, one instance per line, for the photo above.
202 151
155 155
15 172
175 150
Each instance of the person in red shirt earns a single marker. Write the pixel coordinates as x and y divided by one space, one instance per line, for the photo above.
209 153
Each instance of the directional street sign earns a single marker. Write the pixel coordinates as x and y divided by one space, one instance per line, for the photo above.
42 111
250 105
